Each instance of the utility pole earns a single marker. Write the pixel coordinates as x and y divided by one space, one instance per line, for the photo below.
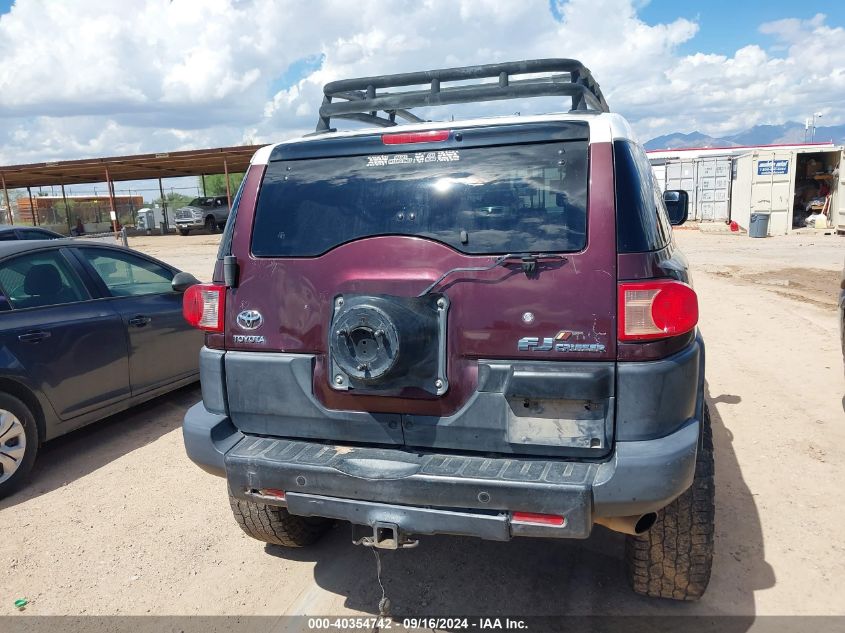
163 207
813 137
112 206
228 188
11 218
32 207
67 211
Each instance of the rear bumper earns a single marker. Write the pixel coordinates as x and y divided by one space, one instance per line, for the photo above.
444 493
649 462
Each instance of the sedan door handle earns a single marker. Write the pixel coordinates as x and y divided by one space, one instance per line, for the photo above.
36 336
139 321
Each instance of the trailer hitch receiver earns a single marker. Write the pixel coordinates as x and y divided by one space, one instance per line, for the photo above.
383 536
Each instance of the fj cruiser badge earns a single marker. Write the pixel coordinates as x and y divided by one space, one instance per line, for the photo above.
250 319
558 344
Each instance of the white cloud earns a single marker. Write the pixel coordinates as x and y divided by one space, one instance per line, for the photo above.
94 77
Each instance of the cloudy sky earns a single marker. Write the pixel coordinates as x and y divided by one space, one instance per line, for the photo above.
83 78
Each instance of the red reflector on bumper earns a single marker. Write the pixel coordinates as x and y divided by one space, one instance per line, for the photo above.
272 492
541 519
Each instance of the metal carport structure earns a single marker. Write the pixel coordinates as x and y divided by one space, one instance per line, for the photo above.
198 162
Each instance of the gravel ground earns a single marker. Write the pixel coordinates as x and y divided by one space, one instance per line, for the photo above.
116 520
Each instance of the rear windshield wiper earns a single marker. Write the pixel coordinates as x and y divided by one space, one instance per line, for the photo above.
528 260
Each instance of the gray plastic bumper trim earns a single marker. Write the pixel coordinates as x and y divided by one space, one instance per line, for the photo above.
208 436
268 393
212 380
647 475
657 397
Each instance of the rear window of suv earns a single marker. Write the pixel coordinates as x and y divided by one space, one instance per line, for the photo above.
483 200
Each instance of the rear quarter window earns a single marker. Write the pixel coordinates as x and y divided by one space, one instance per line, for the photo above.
225 247
125 274
642 224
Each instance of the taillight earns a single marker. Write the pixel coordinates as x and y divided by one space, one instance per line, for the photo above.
656 309
538 519
402 138
203 306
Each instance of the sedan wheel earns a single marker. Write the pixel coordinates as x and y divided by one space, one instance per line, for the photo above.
12 444
18 443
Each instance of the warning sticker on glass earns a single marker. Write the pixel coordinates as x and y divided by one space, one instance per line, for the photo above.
443 156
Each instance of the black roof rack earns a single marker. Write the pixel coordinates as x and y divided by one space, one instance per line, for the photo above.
364 98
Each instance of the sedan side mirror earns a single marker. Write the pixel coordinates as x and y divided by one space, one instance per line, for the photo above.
677 205
182 281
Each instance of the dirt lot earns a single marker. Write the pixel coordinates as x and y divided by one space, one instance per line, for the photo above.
118 521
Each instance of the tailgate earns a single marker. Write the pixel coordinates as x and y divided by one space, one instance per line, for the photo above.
377 228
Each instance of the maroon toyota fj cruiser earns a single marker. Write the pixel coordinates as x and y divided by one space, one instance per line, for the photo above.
479 327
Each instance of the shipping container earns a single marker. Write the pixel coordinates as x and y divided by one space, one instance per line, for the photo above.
789 182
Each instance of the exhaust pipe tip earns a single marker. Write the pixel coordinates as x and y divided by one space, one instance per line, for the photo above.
645 522
633 525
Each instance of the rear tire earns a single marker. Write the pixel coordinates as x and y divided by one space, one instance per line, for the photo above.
183 232
17 429
674 558
275 525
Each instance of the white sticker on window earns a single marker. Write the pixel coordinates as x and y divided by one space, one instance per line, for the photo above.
442 156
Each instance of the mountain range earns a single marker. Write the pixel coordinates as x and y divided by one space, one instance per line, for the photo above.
791 132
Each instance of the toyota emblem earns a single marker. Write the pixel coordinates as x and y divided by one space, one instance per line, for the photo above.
250 319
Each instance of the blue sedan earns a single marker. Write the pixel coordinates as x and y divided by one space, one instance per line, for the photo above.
86 330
